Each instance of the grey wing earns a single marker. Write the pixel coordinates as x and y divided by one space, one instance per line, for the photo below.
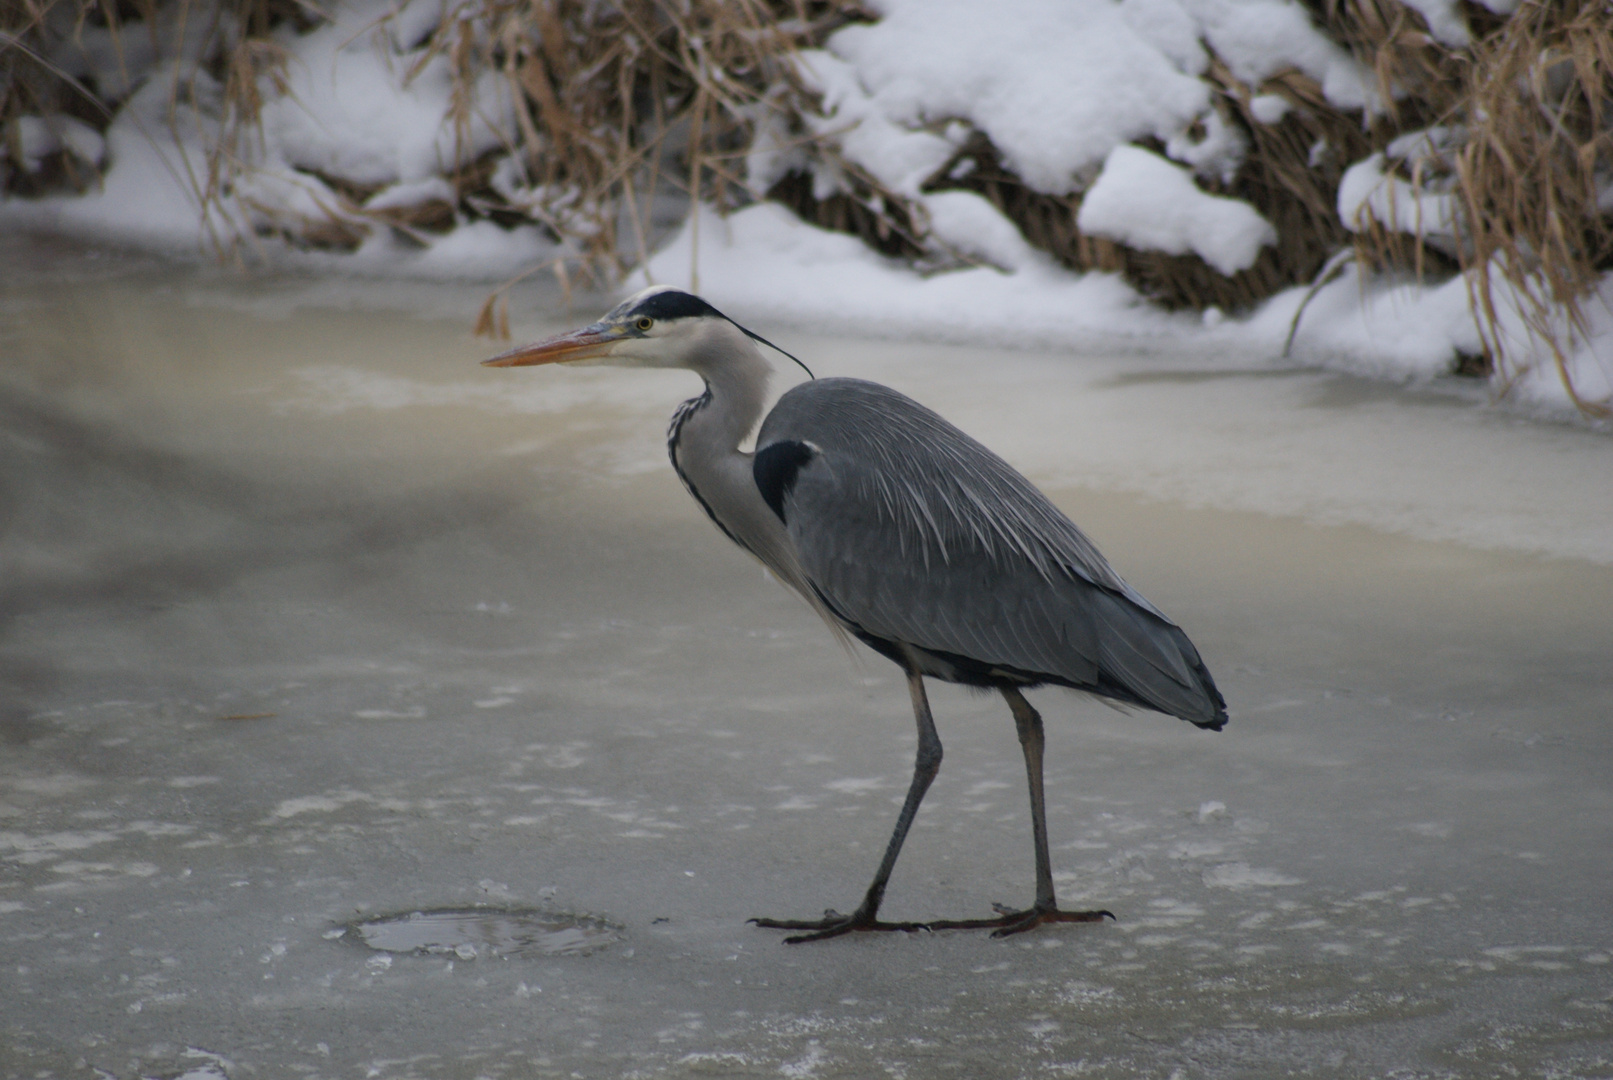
915 534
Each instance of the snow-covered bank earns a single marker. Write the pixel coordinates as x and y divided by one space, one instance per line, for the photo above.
764 262
1213 155
346 158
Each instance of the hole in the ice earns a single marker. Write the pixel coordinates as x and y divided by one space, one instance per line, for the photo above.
481 933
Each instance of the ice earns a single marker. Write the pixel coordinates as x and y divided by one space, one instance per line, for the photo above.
1242 875
1392 862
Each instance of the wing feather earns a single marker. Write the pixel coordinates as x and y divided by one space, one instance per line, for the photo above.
915 533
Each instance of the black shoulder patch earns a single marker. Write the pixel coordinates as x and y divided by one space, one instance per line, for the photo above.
775 468
674 304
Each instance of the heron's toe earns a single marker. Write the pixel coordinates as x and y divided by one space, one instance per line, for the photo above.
1017 922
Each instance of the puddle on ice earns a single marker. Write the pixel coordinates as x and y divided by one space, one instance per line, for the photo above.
481 933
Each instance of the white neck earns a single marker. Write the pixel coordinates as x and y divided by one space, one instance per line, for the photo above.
706 437
737 377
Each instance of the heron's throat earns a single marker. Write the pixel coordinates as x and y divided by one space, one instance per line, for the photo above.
703 443
736 378
705 435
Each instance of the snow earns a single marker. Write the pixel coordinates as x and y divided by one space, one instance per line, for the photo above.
763 259
1168 27
1145 202
1259 38
1589 355
1445 21
360 106
1368 191
1378 326
35 137
148 195
1269 108
969 224
1093 75
1371 190
899 158
1054 102
359 110
412 193
480 250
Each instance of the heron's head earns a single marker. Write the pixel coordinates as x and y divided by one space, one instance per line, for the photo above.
659 327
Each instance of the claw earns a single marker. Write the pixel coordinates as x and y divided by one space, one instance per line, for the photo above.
1017 922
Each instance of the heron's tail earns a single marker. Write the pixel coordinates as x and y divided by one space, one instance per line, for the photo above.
1149 661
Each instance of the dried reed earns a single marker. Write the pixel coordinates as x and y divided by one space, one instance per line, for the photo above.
1283 175
1536 173
31 85
618 99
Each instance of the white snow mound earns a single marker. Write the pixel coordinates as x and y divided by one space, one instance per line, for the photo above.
1145 202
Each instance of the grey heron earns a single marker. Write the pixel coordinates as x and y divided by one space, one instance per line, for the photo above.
907 534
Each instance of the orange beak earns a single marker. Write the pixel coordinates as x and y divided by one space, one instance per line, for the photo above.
584 344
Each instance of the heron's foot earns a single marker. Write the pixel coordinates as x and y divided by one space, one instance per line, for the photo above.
1010 921
834 924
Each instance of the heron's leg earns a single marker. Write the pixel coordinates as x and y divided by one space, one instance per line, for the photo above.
1029 723
1031 741
925 766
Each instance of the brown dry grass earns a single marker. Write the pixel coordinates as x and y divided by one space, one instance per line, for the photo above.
616 99
1530 102
1539 112
32 85
1419 83
620 98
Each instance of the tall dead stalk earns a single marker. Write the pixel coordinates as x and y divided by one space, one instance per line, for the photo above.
1536 175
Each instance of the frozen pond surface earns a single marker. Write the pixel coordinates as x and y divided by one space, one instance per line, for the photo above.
310 623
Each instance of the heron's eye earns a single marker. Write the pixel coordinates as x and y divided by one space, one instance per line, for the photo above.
644 322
